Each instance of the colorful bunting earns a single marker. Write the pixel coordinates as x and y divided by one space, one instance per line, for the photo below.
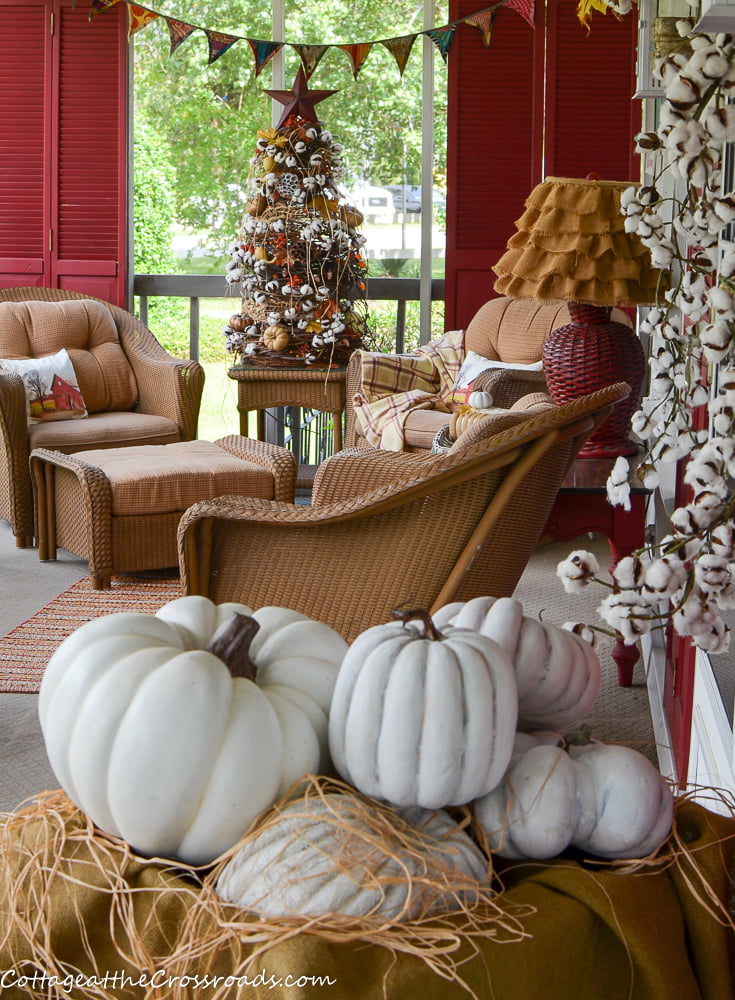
263 52
400 48
310 56
139 17
218 44
99 5
179 32
358 53
484 23
442 38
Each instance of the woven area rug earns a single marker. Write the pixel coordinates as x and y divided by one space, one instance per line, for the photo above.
26 650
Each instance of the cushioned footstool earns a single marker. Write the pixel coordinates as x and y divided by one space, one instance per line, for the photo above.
119 508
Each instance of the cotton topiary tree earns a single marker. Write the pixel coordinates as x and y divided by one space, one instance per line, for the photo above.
298 259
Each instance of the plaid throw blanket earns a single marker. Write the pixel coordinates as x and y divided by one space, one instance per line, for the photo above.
395 384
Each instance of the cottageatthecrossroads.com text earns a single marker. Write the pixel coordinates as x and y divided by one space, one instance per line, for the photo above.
160 979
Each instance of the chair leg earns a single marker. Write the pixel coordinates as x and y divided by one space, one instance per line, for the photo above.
24 541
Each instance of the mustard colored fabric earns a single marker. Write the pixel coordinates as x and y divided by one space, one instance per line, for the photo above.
595 934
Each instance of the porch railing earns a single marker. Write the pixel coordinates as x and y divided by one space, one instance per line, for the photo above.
308 433
195 287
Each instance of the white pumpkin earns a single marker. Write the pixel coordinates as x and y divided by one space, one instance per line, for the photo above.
423 718
151 734
605 799
326 857
557 671
480 399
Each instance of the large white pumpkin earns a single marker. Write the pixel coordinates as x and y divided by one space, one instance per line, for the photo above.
557 671
606 799
150 734
328 856
423 718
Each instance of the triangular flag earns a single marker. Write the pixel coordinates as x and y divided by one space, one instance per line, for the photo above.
484 23
526 8
139 17
179 32
442 38
358 53
263 52
99 5
400 49
310 56
218 44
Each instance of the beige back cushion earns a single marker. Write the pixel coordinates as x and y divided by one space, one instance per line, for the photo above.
513 330
88 332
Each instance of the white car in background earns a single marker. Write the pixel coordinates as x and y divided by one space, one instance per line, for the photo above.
375 203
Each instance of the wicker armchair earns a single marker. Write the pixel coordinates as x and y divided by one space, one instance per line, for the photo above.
140 395
387 528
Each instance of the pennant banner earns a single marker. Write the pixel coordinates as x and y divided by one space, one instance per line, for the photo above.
310 56
400 48
263 51
179 32
218 44
484 23
358 53
442 38
139 17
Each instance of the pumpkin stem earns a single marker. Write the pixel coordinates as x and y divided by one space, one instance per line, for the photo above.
418 614
231 643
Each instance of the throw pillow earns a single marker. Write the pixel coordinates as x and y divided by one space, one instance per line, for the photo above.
474 365
52 389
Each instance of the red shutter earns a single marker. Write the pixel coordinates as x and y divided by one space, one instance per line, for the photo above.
547 100
24 141
591 118
493 151
90 206
63 147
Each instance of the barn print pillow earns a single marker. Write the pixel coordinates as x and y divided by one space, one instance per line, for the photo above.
52 390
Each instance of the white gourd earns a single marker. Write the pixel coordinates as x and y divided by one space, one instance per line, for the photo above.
423 719
149 732
607 800
480 399
322 858
557 671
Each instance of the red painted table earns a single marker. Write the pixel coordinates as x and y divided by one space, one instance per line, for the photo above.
582 506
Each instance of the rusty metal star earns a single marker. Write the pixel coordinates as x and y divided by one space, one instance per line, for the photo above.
299 100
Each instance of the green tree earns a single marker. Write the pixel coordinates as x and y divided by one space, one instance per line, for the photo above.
207 115
154 179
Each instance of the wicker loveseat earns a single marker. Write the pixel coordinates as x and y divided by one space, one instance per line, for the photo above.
506 331
134 392
385 528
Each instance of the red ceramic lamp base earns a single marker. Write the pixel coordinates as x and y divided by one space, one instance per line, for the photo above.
590 353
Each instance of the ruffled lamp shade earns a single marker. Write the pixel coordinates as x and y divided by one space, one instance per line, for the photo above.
571 244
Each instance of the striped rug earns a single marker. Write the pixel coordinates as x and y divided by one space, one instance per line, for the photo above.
25 651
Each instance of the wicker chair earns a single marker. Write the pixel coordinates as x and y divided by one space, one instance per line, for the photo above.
163 393
386 529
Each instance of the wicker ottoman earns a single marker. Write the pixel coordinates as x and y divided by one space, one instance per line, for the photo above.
119 508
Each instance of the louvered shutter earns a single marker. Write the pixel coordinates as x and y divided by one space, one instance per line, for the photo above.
63 147
548 100
24 142
90 203
591 118
493 151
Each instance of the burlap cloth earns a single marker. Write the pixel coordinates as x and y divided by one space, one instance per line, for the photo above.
594 933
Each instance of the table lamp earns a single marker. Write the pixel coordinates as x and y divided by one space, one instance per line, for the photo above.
571 245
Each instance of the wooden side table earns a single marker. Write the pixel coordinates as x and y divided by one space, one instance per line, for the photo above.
259 388
581 506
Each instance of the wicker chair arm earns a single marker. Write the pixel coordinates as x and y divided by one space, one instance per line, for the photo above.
14 438
280 462
359 470
508 385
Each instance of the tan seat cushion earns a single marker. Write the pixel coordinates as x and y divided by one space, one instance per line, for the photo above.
104 430
421 426
88 331
172 477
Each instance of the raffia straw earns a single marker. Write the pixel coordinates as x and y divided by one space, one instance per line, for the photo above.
37 843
